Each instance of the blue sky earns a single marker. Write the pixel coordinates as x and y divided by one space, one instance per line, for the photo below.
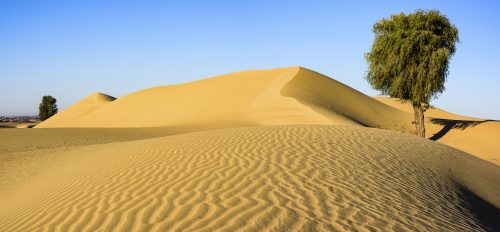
70 49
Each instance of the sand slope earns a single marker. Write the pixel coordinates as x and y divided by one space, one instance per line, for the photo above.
283 96
85 106
301 178
477 136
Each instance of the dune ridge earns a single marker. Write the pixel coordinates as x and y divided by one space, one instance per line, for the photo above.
303 177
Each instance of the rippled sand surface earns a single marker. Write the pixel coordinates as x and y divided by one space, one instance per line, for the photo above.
285 178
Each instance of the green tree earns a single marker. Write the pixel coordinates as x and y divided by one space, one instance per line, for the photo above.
47 107
409 58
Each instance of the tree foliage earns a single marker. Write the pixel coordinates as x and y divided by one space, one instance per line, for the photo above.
47 107
410 55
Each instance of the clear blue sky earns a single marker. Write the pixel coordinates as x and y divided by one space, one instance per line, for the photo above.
69 49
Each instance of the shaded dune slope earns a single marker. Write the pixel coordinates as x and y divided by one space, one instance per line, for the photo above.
283 96
332 99
302 177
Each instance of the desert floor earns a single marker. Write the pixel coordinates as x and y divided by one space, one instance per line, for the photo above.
292 151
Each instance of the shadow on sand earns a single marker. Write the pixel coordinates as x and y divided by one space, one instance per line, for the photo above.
486 213
453 124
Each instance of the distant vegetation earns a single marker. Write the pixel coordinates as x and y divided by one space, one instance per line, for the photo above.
47 108
410 56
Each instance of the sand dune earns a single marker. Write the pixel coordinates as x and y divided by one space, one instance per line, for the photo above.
285 96
302 178
85 106
476 136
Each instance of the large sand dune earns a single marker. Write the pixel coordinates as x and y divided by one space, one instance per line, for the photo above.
264 97
303 178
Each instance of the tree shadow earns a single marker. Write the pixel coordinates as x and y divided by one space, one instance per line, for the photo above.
486 213
453 124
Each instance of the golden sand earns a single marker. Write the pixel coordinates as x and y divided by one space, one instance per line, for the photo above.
268 150
476 136
302 178
284 96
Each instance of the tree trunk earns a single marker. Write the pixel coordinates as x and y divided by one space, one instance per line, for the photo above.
418 111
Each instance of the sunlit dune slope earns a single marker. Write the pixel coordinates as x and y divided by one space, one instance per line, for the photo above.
85 106
283 96
286 178
474 135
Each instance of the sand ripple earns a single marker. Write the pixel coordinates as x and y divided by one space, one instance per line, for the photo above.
302 178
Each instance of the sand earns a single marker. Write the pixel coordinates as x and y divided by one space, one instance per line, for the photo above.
27 140
6 125
431 112
480 137
265 150
303 178
285 96
85 106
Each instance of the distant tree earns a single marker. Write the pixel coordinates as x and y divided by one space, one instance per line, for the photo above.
409 58
47 108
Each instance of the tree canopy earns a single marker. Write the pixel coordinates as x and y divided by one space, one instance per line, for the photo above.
47 107
410 55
